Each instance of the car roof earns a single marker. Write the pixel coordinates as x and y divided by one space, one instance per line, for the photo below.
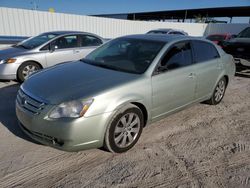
167 30
67 32
160 37
164 30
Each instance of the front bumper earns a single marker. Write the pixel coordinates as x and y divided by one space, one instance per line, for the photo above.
242 63
8 71
64 134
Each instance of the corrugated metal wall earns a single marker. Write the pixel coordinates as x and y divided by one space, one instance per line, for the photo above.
21 22
225 28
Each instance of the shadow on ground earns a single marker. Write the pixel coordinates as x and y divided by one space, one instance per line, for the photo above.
7 110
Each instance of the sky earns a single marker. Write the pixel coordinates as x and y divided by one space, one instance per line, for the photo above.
90 7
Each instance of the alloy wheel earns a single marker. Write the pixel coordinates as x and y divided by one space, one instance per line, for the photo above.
219 90
28 70
126 130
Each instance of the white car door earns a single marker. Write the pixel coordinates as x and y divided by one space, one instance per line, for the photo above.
63 49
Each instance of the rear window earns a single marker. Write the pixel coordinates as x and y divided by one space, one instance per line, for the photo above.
245 33
204 51
87 40
157 32
176 33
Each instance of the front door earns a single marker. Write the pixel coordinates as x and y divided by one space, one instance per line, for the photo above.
173 84
63 49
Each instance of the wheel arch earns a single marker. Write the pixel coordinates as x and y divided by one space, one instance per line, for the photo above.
33 61
26 61
227 79
139 104
144 111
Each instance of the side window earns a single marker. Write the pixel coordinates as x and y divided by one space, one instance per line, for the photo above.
69 41
87 40
46 47
179 55
176 33
204 51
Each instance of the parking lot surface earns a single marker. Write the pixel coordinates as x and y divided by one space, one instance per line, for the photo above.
201 146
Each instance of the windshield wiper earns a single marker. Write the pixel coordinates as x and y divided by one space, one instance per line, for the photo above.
95 63
110 67
87 61
98 64
20 45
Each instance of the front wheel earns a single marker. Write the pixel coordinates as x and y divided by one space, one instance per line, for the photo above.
219 92
124 130
26 69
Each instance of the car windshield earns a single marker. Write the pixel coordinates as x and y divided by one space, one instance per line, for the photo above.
125 54
36 41
245 33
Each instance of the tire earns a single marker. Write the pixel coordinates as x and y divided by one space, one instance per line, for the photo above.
26 69
219 92
121 135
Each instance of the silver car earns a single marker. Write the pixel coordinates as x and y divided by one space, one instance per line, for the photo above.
107 98
168 32
45 50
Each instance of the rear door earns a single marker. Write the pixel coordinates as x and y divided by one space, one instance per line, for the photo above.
87 44
173 83
65 49
208 67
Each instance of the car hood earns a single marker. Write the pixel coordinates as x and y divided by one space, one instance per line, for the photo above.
11 52
74 80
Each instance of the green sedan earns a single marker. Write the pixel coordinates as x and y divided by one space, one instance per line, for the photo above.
126 84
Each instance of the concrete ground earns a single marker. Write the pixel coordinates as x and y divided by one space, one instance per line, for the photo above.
201 146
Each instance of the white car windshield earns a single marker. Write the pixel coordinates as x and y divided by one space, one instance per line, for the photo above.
36 41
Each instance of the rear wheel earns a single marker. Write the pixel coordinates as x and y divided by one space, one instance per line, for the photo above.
26 69
124 130
219 92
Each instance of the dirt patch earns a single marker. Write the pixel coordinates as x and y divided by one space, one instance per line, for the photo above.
201 146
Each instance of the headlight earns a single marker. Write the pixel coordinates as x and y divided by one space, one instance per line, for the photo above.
11 60
72 109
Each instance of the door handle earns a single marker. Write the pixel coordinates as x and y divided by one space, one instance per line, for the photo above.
219 67
191 75
76 51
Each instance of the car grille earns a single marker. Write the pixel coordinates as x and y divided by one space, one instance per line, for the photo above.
29 104
39 135
43 137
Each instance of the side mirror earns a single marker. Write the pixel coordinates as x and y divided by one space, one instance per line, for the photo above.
53 48
233 36
162 68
